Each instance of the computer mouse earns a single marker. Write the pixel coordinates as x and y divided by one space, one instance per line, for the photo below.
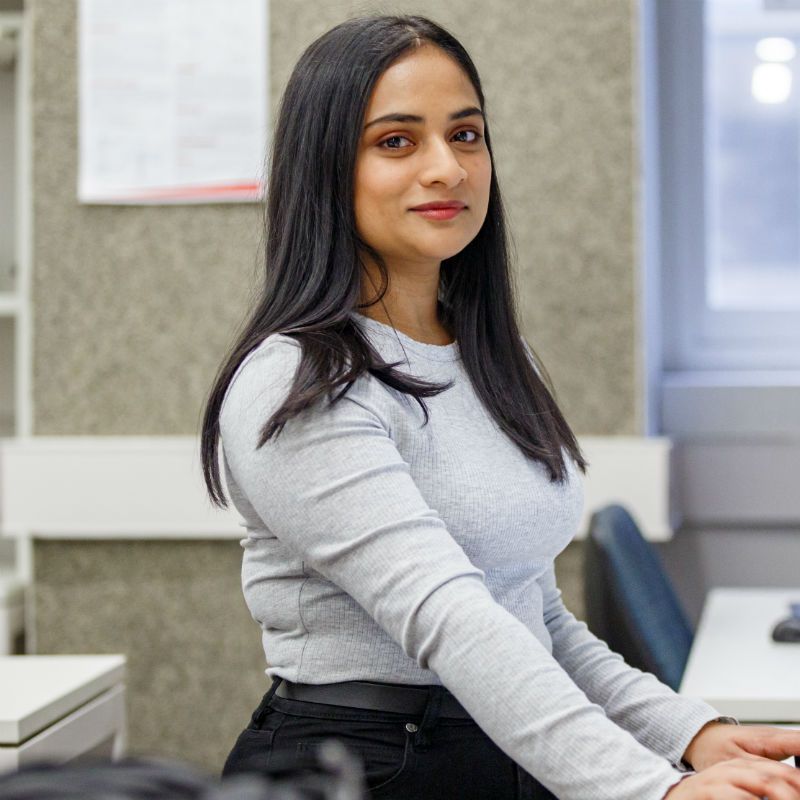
787 630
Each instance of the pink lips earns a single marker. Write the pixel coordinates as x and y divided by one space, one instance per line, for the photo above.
440 210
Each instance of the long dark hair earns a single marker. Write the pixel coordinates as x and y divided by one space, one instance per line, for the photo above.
314 269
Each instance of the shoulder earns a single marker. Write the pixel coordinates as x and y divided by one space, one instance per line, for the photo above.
264 378
266 372
273 354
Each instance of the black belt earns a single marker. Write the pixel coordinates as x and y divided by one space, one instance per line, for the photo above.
402 699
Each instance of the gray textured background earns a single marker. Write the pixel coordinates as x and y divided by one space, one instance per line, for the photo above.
134 307
175 609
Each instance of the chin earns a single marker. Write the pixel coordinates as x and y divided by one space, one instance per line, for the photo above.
443 246
435 255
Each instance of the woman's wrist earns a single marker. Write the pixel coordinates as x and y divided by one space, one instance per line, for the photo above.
671 789
685 763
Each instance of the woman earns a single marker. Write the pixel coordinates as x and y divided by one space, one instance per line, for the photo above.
406 478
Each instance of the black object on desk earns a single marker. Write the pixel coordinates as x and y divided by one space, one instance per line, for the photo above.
787 630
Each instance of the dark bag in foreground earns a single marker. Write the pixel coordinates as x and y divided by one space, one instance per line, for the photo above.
331 772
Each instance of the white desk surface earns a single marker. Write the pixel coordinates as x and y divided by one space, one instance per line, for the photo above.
35 691
735 666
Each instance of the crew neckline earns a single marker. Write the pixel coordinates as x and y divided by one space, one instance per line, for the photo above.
435 352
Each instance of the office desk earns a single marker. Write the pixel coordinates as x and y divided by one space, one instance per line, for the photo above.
61 707
735 666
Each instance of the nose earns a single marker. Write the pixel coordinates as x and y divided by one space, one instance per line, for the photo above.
441 165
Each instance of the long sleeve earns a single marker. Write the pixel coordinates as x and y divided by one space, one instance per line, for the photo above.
637 701
333 488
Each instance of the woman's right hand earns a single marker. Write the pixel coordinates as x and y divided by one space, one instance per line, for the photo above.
740 779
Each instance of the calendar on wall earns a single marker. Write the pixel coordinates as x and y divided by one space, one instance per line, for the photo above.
173 100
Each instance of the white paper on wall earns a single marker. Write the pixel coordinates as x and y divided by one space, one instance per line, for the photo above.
173 100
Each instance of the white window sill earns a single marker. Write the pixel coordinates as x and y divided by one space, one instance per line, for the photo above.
737 446
707 404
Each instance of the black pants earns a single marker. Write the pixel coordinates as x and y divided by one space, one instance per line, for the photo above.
409 757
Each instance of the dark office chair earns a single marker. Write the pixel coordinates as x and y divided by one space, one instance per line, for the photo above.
630 602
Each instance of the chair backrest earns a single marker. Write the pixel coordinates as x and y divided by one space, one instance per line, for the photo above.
630 601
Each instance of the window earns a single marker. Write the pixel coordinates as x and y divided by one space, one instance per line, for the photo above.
728 79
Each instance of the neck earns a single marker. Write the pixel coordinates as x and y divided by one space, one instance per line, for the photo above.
410 305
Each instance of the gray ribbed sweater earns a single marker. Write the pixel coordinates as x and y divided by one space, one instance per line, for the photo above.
378 549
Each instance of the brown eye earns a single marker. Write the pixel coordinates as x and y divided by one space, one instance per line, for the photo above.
474 133
385 145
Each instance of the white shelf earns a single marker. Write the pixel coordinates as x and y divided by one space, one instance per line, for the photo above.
9 304
80 486
16 407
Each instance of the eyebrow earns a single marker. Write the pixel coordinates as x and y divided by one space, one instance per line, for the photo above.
465 112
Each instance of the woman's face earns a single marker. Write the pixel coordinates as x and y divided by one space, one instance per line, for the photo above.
403 163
